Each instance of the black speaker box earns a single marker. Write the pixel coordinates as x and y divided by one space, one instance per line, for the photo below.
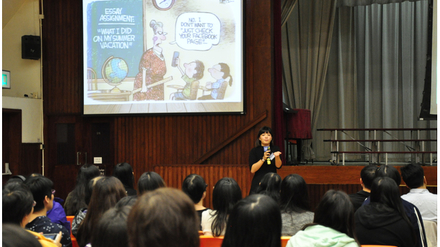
30 47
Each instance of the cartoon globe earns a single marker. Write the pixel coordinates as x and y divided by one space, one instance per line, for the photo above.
114 70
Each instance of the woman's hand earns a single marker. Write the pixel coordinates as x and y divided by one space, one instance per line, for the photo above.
57 240
266 155
277 153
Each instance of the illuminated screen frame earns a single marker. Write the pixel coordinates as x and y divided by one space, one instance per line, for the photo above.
131 48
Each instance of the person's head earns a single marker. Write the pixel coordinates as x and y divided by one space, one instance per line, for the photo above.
194 69
42 191
85 174
225 195
163 217
221 71
126 201
124 172
336 211
111 229
294 196
17 178
368 173
107 191
413 175
270 185
389 171
17 204
159 34
264 137
254 221
150 181
195 187
13 236
385 190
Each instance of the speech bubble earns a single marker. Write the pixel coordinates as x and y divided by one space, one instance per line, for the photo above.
197 31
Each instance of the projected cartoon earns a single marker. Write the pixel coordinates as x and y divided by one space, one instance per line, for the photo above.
151 36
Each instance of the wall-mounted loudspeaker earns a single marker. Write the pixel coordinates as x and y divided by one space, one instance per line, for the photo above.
30 47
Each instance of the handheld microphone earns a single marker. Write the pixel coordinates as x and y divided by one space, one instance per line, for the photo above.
268 158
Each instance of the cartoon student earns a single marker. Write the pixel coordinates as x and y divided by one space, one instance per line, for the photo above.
152 68
192 74
220 72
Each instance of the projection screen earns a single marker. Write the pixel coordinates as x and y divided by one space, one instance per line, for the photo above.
163 57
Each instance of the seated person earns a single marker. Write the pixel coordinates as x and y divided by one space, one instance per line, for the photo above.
163 217
41 188
367 177
294 204
270 185
17 207
225 195
111 230
414 177
195 187
13 236
56 214
333 224
412 211
384 221
193 72
254 221
220 72
124 172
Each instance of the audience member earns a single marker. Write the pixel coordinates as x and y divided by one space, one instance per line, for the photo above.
124 172
150 181
163 217
57 214
42 191
195 187
75 199
412 211
111 229
254 221
294 205
270 185
384 221
333 224
414 177
106 193
126 201
13 236
225 195
368 174
81 214
17 207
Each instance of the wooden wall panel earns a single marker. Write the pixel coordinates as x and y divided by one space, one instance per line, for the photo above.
174 175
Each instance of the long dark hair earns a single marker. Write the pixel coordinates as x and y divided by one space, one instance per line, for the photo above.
294 194
270 185
85 174
263 130
124 172
254 221
106 193
225 195
336 211
385 190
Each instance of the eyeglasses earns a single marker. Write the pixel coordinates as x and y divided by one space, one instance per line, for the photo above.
53 191
161 33
35 203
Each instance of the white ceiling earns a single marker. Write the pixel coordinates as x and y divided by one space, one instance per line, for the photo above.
9 8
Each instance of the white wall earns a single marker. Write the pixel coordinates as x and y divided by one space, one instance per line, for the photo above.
31 119
25 73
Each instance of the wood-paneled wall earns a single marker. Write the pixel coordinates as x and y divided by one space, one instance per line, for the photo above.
148 140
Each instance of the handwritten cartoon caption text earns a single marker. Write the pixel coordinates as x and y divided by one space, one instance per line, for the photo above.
197 31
